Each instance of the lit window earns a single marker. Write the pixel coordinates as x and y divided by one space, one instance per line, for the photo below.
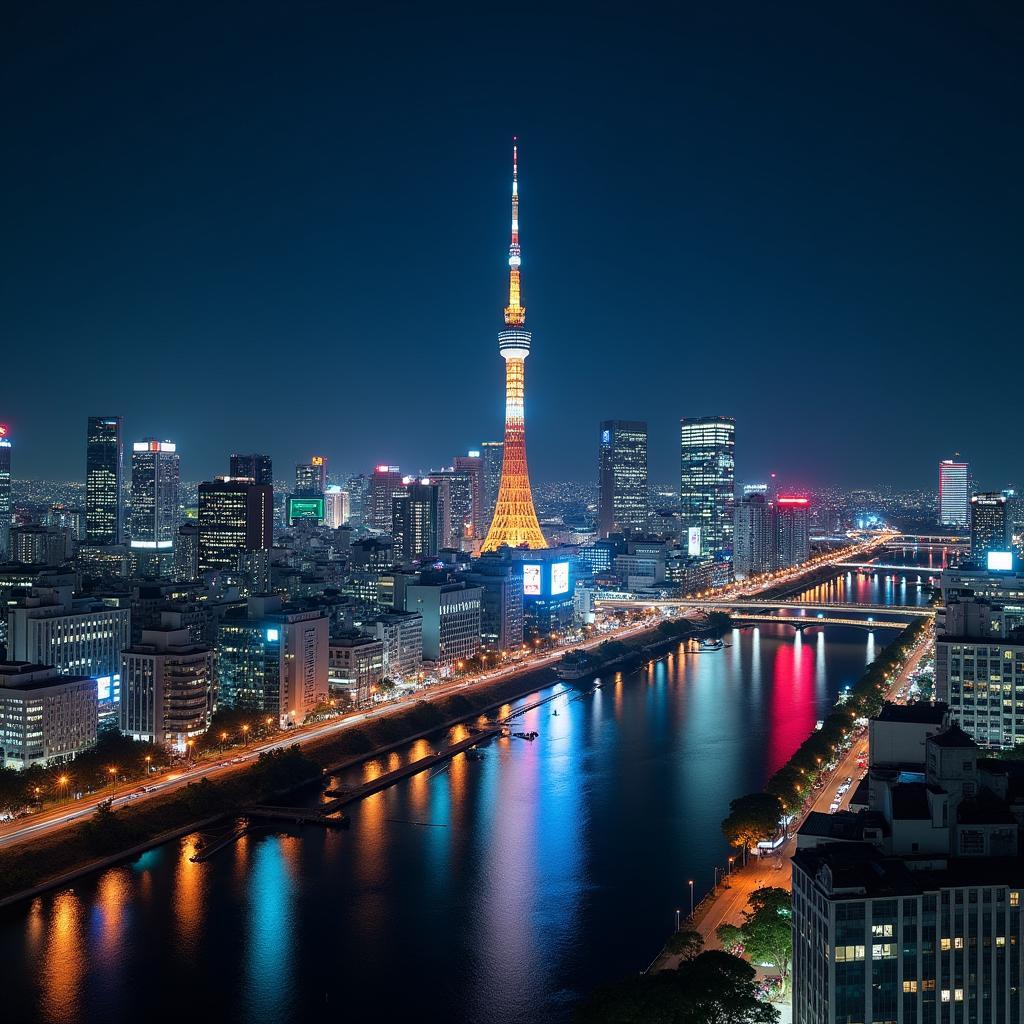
1000 940
958 942
945 995
944 944
910 986
958 995
1014 899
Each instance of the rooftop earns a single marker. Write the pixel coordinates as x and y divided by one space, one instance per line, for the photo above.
921 712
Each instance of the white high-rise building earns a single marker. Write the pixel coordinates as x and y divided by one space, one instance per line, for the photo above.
954 493
336 506
154 518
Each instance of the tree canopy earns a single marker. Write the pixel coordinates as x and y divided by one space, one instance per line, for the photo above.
752 818
766 932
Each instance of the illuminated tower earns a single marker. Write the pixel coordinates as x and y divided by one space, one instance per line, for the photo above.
515 519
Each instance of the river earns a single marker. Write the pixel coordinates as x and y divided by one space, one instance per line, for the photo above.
501 888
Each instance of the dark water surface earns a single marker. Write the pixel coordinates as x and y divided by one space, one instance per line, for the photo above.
498 889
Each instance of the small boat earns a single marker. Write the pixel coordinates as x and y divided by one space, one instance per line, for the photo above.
574 665
711 645
555 712
526 735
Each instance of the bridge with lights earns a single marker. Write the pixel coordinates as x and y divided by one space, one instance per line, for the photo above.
802 622
910 570
761 605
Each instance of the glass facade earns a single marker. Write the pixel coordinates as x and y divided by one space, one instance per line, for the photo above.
707 480
622 477
103 481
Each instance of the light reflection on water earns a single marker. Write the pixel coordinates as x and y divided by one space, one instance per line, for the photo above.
497 889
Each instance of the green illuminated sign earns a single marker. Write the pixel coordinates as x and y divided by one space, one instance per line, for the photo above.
305 508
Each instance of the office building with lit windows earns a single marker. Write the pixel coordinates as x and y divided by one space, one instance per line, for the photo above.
455 507
451 619
5 493
155 506
236 517
954 493
385 483
754 536
907 908
492 454
792 528
472 464
272 659
336 506
46 717
257 468
167 687
622 503
708 480
311 477
415 521
991 528
104 460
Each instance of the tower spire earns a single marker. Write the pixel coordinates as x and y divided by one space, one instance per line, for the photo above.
515 313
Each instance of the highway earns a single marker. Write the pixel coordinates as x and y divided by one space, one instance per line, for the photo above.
68 812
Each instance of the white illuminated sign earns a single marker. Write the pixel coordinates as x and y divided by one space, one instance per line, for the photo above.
531 580
693 541
1000 561
559 578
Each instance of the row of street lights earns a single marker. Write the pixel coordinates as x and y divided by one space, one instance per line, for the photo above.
725 872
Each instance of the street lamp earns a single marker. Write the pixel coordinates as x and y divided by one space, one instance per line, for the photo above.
677 919
113 773
691 899
62 782
245 733
188 747
149 758
731 859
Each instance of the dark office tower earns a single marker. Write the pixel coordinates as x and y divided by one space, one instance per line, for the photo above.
492 453
311 479
622 477
707 480
991 529
414 516
186 553
473 464
358 488
792 530
5 493
385 483
257 468
154 518
754 540
104 455
455 506
235 517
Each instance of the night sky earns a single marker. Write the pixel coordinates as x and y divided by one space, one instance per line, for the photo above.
284 227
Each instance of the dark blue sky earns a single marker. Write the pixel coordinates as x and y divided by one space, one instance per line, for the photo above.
283 227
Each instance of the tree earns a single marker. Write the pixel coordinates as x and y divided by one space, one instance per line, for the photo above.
685 943
712 988
766 933
752 818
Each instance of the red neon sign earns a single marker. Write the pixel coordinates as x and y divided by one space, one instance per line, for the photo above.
793 501
4 430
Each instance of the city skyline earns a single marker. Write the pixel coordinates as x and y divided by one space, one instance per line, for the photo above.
740 272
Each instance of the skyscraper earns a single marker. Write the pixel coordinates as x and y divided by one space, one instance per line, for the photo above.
515 519
154 518
257 468
473 465
235 517
754 541
990 524
415 521
492 454
622 502
455 505
792 530
358 488
311 478
336 507
104 457
385 483
707 480
954 493
5 492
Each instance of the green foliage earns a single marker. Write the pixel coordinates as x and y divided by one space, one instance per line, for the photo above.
712 988
730 936
719 623
277 770
752 818
204 798
107 831
766 932
686 944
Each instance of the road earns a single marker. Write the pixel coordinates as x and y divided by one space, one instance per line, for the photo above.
774 870
63 814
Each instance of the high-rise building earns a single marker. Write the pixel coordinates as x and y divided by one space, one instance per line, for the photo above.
258 468
104 488
979 652
272 658
167 687
708 480
155 507
45 717
414 520
954 493
186 553
991 529
235 517
455 506
515 519
358 488
40 545
472 464
336 506
384 485
909 910
754 540
5 492
451 620
792 530
492 454
311 478
622 502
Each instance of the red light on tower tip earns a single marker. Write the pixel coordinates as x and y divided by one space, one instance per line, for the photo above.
4 430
